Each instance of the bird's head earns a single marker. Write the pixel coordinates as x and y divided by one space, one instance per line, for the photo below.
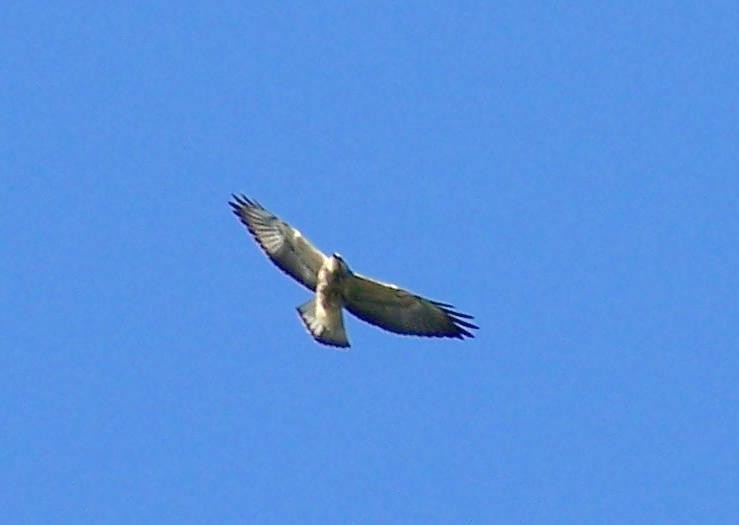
340 264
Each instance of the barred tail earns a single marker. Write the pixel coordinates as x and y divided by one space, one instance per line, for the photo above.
326 327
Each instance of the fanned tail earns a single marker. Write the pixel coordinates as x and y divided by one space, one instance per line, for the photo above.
326 327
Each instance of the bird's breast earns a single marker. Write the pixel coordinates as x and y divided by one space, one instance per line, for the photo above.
329 287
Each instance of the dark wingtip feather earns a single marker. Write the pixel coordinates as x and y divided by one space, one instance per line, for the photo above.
463 322
464 333
459 321
242 201
440 304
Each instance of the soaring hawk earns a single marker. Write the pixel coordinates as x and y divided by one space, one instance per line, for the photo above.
336 287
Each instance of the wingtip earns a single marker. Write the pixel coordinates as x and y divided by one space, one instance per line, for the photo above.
462 333
461 322
241 200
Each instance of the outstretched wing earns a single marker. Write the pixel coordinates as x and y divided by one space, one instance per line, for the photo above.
282 243
389 307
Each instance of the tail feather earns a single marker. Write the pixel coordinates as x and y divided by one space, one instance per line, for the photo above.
326 327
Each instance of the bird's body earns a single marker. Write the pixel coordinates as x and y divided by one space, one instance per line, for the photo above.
337 287
323 315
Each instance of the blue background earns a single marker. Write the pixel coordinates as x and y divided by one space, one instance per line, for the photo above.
566 173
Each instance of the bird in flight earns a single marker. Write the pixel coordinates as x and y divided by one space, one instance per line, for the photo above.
336 286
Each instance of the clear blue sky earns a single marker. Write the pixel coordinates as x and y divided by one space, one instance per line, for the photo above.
568 174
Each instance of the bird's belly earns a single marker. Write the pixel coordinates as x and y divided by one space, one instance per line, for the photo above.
329 298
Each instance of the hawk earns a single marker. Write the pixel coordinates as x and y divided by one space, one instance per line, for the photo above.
336 287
